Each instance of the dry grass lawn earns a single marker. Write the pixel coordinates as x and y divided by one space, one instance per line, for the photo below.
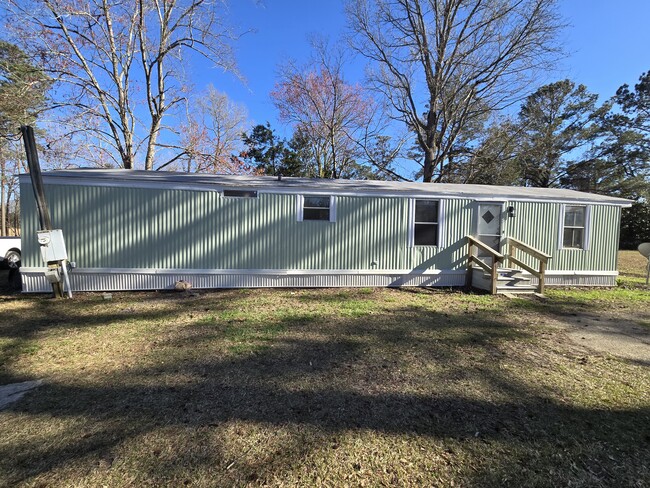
351 387
632 266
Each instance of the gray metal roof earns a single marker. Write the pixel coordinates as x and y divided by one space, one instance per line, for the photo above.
126 178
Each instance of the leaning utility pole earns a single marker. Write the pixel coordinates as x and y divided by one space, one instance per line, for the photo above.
37 185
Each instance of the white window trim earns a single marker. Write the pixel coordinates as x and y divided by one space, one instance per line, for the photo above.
440 223
332 208
300 206
411 223
300 203
586 236
560 228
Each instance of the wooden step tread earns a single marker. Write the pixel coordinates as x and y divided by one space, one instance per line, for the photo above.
508 278
517 287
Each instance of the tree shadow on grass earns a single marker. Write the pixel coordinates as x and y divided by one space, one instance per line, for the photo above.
409 372
19 331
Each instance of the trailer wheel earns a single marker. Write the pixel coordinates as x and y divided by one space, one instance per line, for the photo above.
13 259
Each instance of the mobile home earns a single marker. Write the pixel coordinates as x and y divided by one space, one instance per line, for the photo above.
137 230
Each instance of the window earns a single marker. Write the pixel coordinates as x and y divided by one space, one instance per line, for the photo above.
312 207
240 193
573 233
425 232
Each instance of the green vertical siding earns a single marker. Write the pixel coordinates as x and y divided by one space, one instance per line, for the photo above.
116 227
538 224
458 223
108 227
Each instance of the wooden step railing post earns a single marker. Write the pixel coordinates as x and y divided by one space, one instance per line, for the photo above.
492 270
470 268
542 271
531 251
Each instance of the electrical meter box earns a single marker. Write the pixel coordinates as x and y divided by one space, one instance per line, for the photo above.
52 245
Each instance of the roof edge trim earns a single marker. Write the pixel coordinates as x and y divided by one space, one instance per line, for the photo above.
53 179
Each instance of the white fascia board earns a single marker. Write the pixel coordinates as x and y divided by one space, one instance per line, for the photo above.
154 185
278 272
59 180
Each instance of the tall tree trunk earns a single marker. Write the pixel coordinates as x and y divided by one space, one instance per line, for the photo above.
151 144
17 230
7 203
3 213
429 165
127 160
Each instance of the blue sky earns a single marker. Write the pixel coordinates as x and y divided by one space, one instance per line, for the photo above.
281 29
607 44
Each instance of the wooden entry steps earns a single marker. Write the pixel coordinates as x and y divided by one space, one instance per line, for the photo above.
508 281
498 279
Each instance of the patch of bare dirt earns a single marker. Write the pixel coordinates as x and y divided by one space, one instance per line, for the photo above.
621 334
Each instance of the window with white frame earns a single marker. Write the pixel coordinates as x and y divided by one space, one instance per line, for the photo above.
316 207
574 227
425 223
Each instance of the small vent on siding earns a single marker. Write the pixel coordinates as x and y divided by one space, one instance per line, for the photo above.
240 193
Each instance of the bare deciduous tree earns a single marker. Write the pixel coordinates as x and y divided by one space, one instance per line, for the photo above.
113 58
442 64
213 133
338 120
327 110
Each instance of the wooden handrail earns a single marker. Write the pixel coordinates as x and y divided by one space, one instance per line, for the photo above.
523 265
543 258
492 270
475 242
528 249
511 245
478 262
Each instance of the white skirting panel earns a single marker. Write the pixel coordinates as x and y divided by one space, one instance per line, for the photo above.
114 280
577 280
145 279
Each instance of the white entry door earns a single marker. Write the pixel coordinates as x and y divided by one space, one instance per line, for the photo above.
489 228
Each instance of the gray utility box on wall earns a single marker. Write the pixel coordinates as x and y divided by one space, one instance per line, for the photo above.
52 245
